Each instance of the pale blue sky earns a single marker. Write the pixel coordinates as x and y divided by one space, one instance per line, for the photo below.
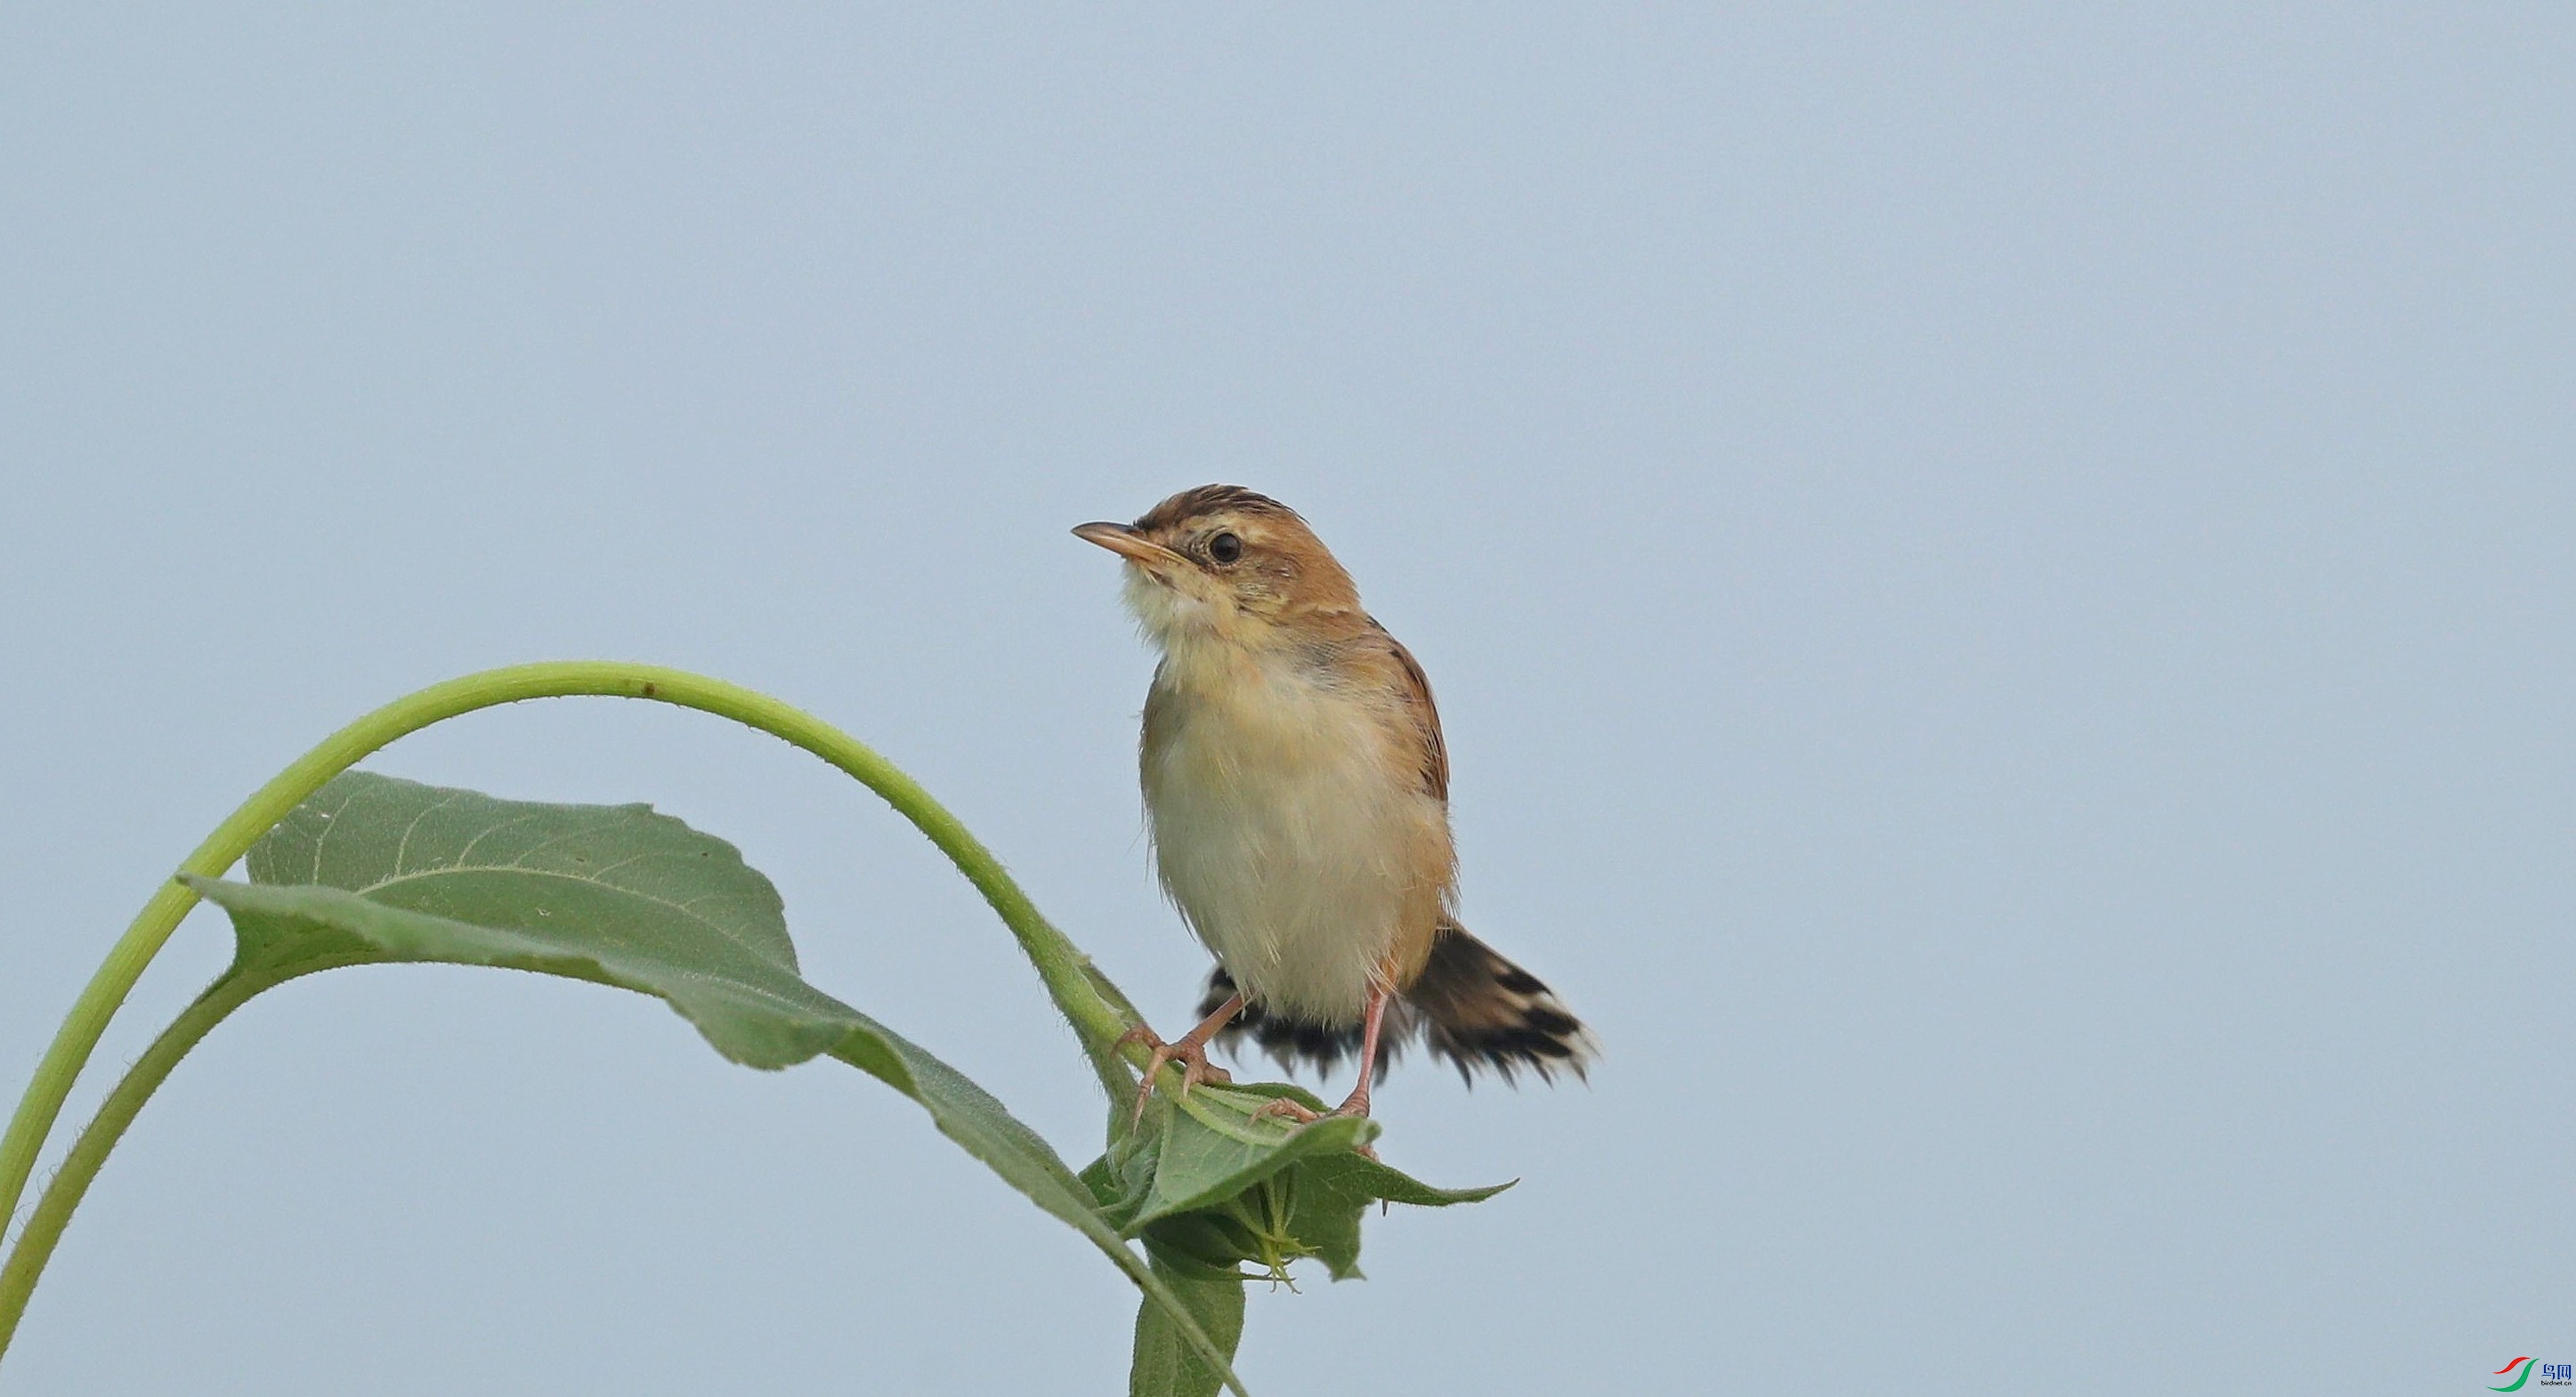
2001 583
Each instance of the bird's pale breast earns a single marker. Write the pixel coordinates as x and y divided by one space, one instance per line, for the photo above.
1291 828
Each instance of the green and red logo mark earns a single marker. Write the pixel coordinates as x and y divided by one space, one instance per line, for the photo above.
2551 1375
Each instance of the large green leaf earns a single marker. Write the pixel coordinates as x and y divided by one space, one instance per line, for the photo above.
374 870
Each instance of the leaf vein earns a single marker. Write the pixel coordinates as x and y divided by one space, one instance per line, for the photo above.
402 847
464 853
521 860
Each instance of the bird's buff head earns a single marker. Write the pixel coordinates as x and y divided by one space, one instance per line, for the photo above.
1222 564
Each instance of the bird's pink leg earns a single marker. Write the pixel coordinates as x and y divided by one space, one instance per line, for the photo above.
1190 1053
1357 1104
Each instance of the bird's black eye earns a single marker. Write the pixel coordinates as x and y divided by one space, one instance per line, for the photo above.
1225 548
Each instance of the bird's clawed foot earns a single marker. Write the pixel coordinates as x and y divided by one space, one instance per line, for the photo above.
1290 1109
1190 1053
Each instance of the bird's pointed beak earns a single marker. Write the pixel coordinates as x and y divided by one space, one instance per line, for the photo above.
1131 545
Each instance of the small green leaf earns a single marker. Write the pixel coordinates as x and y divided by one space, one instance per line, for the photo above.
376 870
1210 1180
1200 1153
1165 1364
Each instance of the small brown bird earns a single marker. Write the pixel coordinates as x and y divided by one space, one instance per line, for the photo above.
1298 794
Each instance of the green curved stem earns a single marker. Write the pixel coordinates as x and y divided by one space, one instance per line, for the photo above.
1099 1019
54 1211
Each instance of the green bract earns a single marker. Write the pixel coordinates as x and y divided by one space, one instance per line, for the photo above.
352 868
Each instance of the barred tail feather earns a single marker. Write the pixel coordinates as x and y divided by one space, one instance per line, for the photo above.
1481 1011
1475 1009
